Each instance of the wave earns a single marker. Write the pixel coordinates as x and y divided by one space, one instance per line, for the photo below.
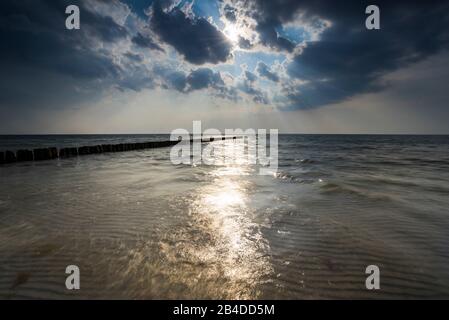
330 188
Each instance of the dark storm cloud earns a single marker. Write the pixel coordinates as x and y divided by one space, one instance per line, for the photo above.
269 16
146 42
135 57
230 13
270 37
33 33
210 80
195 80
244 43
251 77
195 38
264 71
351 62
348 59
34 41
176 80
248 85
204 78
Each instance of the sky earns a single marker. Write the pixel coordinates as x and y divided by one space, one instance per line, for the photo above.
152 66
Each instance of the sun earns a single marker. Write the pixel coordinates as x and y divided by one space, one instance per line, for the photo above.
232 32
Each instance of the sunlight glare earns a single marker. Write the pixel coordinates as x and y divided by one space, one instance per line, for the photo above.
232 32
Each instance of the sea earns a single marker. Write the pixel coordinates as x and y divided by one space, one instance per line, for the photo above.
138 226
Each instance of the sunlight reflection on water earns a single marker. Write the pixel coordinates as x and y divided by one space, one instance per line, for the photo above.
225 244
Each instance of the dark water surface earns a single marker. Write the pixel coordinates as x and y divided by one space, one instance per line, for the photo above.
140 227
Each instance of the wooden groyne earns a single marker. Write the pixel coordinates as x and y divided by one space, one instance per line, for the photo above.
51 153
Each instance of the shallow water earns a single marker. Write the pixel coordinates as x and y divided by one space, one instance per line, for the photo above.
140 227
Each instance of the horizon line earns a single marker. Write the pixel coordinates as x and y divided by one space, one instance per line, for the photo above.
168 133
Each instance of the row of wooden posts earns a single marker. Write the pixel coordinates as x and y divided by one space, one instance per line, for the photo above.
53 153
